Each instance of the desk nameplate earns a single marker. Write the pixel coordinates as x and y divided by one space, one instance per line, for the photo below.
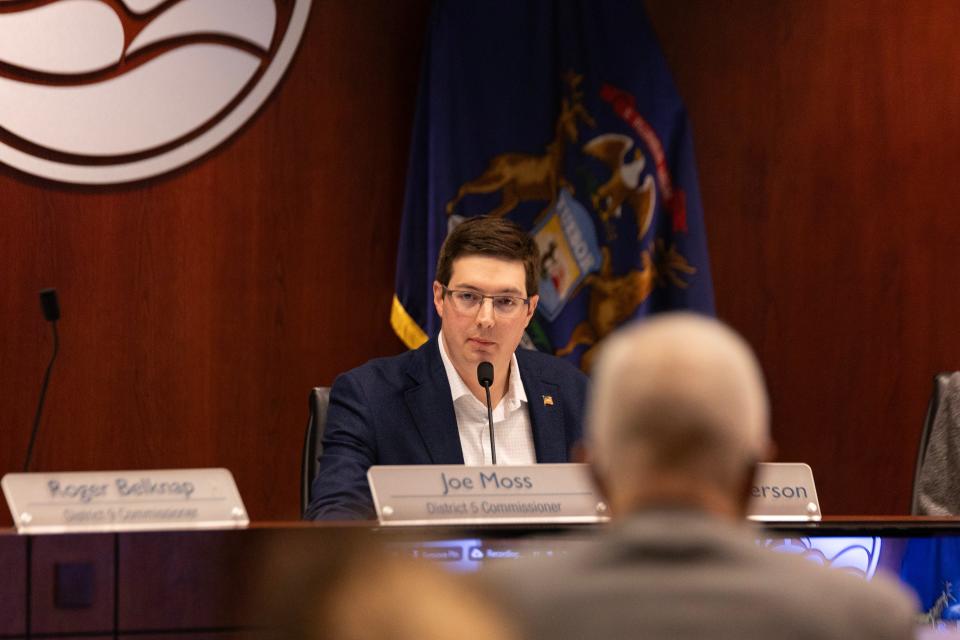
156 499
783 492
490 494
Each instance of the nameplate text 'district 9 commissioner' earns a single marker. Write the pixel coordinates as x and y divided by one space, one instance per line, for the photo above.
155 499
783 492
458 494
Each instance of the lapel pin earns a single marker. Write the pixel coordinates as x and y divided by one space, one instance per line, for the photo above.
548 401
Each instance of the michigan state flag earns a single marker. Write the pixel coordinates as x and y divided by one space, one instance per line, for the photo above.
563 117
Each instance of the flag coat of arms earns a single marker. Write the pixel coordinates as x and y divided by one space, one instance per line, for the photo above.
563 117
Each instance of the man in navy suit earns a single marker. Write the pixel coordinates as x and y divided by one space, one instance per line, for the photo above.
427 406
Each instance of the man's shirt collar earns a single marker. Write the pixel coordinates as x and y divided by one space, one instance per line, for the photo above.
458 388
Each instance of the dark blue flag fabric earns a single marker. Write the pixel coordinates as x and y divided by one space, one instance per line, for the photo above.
563 117
931 566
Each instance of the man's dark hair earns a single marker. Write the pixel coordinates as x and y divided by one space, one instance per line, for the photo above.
493 238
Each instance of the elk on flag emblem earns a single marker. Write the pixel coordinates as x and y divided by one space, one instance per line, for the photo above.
563 117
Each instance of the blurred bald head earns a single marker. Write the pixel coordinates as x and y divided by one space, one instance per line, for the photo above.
679 415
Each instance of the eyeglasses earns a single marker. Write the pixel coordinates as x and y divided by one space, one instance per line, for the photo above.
470 302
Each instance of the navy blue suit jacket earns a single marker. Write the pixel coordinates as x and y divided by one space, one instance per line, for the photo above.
399 411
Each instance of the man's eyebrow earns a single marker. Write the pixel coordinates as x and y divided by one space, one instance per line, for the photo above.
508 291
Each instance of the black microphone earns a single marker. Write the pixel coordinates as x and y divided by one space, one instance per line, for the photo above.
485 378
51 311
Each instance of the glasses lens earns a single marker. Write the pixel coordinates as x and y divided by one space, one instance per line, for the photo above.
465 301
470 301
506 306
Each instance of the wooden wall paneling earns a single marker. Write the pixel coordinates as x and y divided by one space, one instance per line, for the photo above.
826 136
13 586
209 635
161 574
91 553
200 307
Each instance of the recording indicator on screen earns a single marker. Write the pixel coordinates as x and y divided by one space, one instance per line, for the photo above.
472 554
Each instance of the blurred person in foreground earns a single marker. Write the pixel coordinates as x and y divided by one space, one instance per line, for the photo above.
678 419
344 585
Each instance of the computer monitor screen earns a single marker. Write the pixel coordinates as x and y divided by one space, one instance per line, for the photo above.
926 560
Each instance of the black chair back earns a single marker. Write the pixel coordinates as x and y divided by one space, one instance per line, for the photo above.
319 400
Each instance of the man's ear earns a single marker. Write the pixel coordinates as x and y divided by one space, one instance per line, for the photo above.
769 454
534 299
750 471
438 298
580 453
601 485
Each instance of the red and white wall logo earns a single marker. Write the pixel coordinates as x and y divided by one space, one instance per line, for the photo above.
110 91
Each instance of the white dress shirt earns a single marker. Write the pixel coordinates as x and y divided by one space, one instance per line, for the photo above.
511 419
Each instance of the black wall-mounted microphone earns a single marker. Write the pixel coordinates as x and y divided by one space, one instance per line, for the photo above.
485 378
51 311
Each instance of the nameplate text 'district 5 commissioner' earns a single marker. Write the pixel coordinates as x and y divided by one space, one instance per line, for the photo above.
457 494
783 492
154 499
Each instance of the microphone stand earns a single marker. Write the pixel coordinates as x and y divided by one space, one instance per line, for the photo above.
493 446
485 378
43 395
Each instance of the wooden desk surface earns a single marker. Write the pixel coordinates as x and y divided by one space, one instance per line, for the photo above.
187 583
